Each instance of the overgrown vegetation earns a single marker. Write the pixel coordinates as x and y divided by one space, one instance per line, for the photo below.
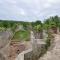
22 36
20 28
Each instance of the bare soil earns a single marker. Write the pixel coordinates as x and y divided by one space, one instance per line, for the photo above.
16 48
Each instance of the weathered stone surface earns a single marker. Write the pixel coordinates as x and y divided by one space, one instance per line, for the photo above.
34 52
53 54
2 57
4 44
25 55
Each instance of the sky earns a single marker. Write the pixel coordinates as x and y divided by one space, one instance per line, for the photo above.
28 10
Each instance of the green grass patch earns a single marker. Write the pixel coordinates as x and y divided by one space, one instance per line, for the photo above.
22 36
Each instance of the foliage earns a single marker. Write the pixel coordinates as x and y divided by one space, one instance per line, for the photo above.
38 28
21 36
52 23
37 25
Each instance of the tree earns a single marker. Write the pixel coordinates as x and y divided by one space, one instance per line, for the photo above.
50 23
37 29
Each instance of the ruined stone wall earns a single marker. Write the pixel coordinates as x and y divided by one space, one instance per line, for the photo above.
2 57
30 54
38 47
4 44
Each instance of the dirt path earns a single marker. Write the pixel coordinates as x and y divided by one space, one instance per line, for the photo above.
53 54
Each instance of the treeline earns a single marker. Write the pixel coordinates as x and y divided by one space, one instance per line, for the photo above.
49 23
7 24
52 22
21 29
13 24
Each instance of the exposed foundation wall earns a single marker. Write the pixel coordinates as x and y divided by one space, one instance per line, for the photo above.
38 35
38 48
4 44
31 54
2 57
5 51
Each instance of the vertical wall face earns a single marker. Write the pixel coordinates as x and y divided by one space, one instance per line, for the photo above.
38 35
28 56
4 39
4 44
2 57
33 53
37 44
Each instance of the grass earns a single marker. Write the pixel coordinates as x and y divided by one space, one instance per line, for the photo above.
22 36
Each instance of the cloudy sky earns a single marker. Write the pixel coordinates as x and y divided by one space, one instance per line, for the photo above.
28 10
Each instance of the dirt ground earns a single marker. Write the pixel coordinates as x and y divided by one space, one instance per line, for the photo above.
16 48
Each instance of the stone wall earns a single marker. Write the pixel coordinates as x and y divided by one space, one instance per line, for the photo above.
4 44
38 48
2 57
25 55
30 54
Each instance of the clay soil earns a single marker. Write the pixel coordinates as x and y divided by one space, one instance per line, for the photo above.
15 49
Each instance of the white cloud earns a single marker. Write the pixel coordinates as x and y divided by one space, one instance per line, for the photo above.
47 5
22 12
0 1
11 1
29 9
53 1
